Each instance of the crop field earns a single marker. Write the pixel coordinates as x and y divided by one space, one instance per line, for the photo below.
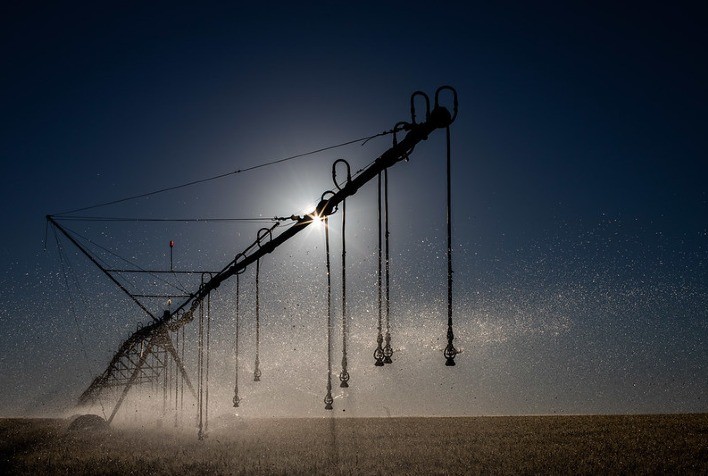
668 444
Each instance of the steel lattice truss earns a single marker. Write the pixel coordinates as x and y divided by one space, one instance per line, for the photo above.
141 359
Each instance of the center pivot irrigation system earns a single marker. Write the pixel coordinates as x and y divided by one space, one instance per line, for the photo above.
146 356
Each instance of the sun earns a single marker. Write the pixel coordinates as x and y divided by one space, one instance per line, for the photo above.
317 220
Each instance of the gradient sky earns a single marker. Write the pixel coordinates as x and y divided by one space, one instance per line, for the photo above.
579 190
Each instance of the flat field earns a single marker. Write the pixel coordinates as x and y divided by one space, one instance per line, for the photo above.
667 444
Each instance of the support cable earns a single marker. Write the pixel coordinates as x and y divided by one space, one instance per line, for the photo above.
379 353
215 177
328 400
94 260
65 267
104 266
81 218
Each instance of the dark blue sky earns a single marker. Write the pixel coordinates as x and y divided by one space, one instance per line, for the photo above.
580 198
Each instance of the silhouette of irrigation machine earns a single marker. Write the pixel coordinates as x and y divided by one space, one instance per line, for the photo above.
144 357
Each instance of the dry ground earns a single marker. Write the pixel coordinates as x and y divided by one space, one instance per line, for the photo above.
668 444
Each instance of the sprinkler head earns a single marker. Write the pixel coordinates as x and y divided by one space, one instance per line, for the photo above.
450 353
379 356
388 350
388 353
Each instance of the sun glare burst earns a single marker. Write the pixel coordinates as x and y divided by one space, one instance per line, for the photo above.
317 220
